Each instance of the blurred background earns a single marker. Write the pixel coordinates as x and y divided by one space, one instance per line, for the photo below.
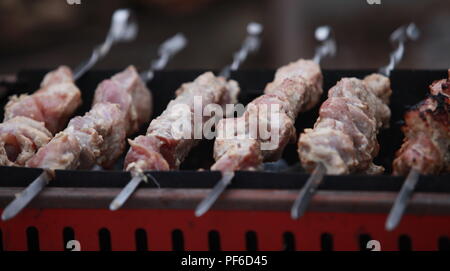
46 33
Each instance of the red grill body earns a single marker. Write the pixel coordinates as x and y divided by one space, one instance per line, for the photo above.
269 229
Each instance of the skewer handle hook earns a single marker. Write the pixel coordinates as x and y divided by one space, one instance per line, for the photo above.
166 51
328 46
400 36
123 28
251 44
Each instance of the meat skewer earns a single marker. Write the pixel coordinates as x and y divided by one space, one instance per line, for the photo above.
426 146
344 138
121 104
162 148
297 87
31 120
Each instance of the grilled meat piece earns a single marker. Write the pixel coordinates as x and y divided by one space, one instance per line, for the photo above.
52 104
165 146
426 146
98 137
20 138
297 87
62 152
309 71
344 137
128 91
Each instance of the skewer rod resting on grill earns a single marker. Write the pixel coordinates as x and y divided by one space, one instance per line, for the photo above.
400 35
397 211
326 48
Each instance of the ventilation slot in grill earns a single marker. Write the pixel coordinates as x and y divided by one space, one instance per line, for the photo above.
68 234
404 243
363 240
177 240
33 239
326 242
141 240
214 240
289 241
251 241
104 239
444 243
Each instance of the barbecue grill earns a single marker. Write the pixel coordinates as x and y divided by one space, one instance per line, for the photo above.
254 214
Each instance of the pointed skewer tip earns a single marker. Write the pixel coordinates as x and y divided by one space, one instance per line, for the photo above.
5 217
390 225
114 206
294 214
199 212
126 192
214 193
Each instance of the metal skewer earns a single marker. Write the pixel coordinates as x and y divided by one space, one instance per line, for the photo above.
250 44
308 191
395 215
399 207
123 28
26 196
401 202
400 36
126 192
166 51
327 48
214 194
